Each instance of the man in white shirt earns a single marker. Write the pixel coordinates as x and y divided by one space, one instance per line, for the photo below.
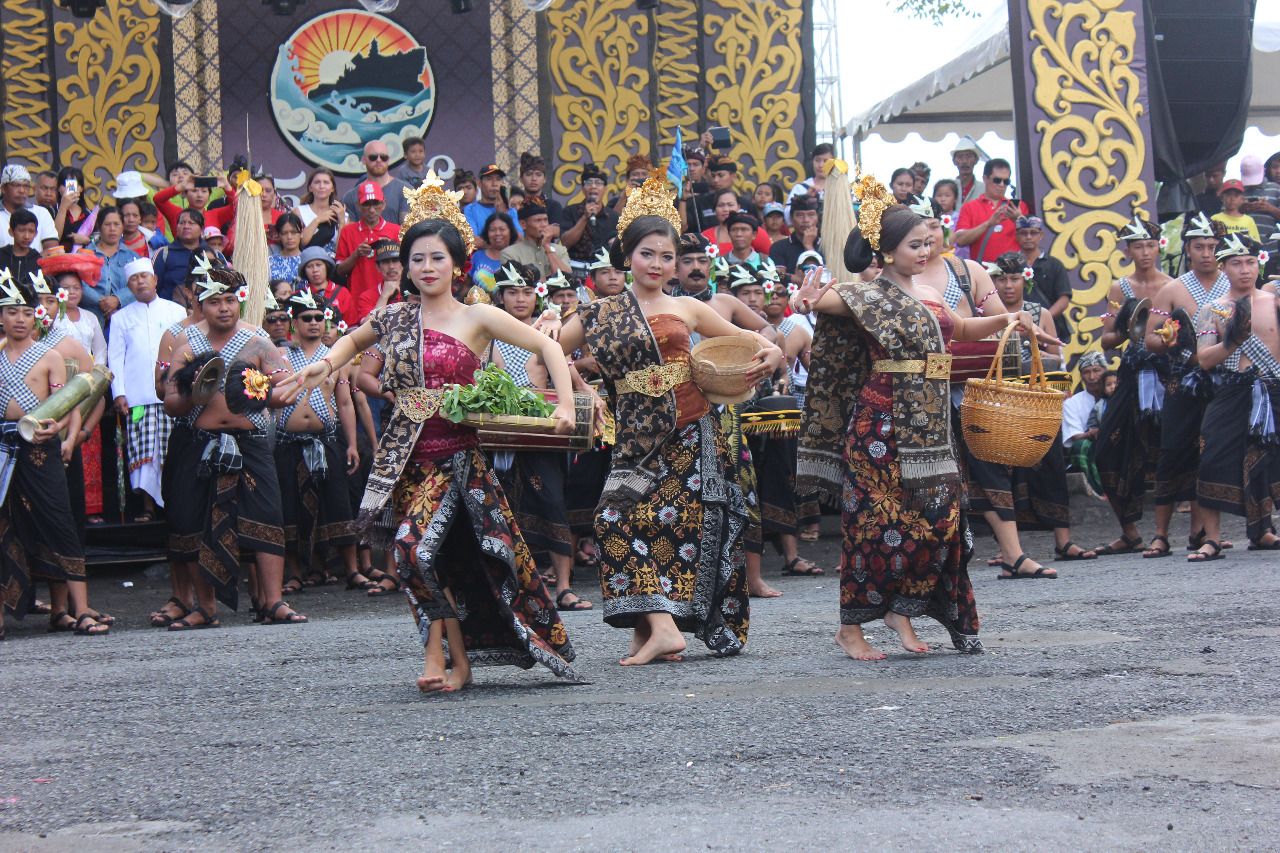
132 352
15 190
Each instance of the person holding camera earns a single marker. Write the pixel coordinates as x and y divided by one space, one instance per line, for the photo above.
990 222
196 190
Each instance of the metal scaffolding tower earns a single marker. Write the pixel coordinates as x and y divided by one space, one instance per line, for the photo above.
828 111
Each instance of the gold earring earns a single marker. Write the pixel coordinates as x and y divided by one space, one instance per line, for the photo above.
888 259
627 263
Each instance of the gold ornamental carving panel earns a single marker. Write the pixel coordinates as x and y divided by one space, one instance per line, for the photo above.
675 67
1092 147
756 82
600 82
27 121
108 88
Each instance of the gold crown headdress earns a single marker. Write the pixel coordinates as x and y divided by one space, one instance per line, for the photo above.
431 201
652 199
873 200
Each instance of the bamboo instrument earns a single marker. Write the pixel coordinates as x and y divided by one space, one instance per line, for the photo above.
83 390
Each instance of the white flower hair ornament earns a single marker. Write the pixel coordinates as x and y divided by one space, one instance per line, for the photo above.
342 327
792 288
1164 243
1263 257
1028 273
713 250
62 294
242 293
40 313
328 313
948 223
541 289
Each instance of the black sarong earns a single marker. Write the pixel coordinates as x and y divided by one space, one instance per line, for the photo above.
1128 444
1035 497
1238 475
38 539
583 487
774 458
315 507
534 486
1187 393
239 501
184 513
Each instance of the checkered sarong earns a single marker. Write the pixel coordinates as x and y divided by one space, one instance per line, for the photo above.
148 440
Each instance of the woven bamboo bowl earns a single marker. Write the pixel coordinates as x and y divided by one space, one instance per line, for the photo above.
719 366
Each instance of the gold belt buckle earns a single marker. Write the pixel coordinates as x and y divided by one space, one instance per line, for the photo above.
937 365
657 379
418 404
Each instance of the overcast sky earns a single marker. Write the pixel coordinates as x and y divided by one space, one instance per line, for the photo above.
904 49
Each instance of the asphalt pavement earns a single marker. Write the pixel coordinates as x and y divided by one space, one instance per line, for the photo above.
1131 705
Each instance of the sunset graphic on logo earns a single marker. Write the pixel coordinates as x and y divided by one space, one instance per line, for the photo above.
347 78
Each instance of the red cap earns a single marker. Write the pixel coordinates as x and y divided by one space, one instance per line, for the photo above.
1232 184
369 191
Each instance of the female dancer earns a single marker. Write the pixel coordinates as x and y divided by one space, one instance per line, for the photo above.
877 431
469 576
669 528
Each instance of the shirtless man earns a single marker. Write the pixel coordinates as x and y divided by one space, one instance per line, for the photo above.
39 541
235 478
1129 434
1238 333
312 465
70 350
693 279
1171 331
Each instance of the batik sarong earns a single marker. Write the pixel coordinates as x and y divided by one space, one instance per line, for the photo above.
1238 474
1128 444
679 551
774 460
38 539
1035 497
534 487
314 499
1187 394
582 488
457 533
740 469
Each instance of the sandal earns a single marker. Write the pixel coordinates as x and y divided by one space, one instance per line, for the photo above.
378 588
812 571
576 604
84 630
1259 546
1154 552
39 608
185 623
591 561
290 618
146 516
1131 546
365 584
100 618
1202 557
810 536
293 586
1014 575
1063 555
160 619
319 579
1196 541
57 626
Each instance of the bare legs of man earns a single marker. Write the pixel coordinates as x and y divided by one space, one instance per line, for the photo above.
1011 550
756 587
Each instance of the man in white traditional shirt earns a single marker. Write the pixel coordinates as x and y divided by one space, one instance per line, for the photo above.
132 352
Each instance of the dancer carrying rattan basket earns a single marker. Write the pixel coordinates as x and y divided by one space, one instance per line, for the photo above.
876 437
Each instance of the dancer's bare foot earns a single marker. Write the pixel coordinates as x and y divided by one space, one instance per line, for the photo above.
855 645
665 643
760 589
433 673
457 678
639 636
906 633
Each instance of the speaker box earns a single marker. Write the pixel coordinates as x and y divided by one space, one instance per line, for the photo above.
1203 50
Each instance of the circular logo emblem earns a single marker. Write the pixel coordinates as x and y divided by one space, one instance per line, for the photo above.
347 78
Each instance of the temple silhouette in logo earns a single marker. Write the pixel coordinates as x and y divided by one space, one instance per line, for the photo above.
398 71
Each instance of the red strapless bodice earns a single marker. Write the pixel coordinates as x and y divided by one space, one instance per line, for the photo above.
878 391
672 336
445 361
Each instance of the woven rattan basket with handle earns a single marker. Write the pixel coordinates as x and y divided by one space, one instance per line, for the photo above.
1006 422
719 366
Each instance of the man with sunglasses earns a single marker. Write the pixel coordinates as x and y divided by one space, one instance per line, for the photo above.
988 223
376 162
276 324
311 463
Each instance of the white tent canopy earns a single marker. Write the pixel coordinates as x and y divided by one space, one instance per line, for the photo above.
972 93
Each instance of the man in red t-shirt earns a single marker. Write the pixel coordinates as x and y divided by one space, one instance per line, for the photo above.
988 224
355 251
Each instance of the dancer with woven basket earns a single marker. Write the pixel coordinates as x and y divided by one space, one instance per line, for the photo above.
876 438
670 521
